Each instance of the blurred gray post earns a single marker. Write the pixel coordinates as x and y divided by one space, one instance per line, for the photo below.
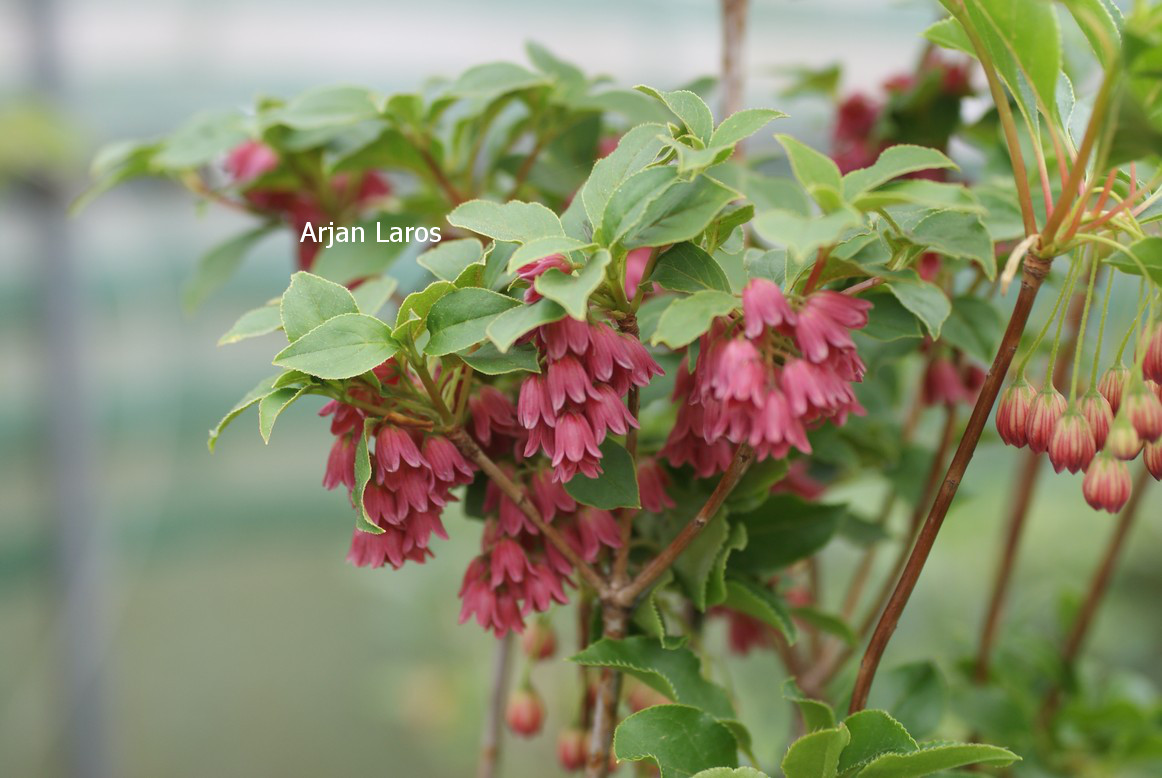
733 56
79 558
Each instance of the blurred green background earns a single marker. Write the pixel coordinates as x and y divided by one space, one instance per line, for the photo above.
225 633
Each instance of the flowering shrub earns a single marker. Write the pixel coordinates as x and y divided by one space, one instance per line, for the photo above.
643 360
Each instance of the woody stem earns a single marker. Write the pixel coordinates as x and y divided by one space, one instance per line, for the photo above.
514 492
490 739
1035 272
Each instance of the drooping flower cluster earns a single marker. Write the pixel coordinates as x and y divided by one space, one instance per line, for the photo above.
948 382
569 408
790 367
1108 427
249 161
413 473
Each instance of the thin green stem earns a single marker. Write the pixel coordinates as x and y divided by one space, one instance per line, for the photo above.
1071 282
1023 362
1077 349
1142 300
1101 331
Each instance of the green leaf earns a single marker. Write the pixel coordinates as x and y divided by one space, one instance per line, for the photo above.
687 268
543 247
696 563
494 79
363 522
615 487
974 327
273 404
342 347
895 161
448 258
936 758
888 320
726 772
688 107
922 193
785 530
220 263
685 319
509 326
680 739
1096 21
627 205
251 324
816 714
826 622
309 301
747 595
513 221
1028 29
959 235
802 235
755 486
413 311
326 107
374 293
354 260
873 733
817 172
682 212
201 140
816 755
572 291
491 361
1147 253
743 124
926 300
637 148
265 387
914 693
460 319
675 672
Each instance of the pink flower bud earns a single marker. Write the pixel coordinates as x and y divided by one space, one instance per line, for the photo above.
525 713
1152 362
1144 411
1014 413
1072 447
1096 410
1153 458
1113 384
539 641
1107 484
1123 442
571 749
1048 406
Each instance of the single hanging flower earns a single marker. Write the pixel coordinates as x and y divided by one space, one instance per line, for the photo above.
1098 413
1124 441
525 713
1072 447
1107 483
1014 413
1152 361
1152 455
1113 384
1144 411
1048 407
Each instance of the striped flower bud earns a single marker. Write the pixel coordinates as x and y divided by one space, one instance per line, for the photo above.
1144 411
1072 447
1113 385
1048 407
1153 458
1107 484
1096 410
1014 411
1152 360
1123 442
525 712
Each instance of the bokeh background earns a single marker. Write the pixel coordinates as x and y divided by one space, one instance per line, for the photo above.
168 612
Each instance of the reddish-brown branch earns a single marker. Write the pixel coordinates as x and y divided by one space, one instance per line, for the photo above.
733 69
627 595
490 740
468 448
1035 272
614 620
863 286
1099 585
